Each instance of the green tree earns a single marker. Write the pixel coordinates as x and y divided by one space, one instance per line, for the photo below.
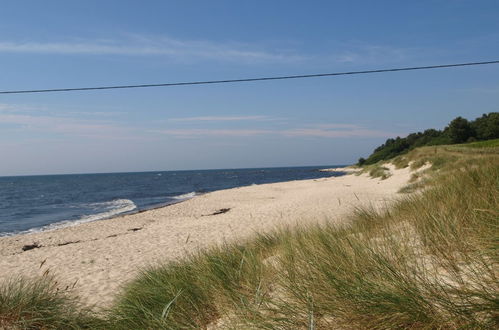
459 130
487 126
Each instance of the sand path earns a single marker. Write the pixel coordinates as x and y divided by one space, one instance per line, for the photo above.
100 256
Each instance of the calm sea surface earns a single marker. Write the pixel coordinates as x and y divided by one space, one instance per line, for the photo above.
35 203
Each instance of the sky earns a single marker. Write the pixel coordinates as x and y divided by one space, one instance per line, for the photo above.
318 121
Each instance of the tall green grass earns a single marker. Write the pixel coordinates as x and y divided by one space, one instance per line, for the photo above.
427 262
194 293
39 304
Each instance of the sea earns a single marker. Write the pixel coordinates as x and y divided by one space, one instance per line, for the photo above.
45 202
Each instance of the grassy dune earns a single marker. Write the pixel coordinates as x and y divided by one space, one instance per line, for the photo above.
430 261
39 304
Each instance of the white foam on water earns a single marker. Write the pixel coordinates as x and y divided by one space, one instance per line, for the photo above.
113 208
107 210
110 209
185 196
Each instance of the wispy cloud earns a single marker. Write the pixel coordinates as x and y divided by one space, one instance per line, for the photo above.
38 110
190 133
362 53
19 108
334 125
319 130
189 50
335 133
136 45
220 118
26 118
67 126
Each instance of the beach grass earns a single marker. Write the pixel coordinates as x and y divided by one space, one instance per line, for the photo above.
427 262
379 171
196 292
39 304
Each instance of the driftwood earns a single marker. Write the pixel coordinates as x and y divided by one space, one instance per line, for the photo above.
221 211
28 247
66 243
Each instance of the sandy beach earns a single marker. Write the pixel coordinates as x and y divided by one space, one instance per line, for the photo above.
98 257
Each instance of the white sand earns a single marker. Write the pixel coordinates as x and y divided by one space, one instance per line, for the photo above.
108 253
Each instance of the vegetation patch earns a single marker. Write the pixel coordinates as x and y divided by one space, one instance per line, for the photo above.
412 187
380 172
417 164
459 130
40 304
484 144
400 162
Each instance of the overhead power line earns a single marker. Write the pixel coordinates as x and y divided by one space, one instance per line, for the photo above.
316 75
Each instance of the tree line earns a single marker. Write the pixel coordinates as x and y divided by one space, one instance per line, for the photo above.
459 130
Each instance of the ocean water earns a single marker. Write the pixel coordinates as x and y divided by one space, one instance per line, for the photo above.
36 203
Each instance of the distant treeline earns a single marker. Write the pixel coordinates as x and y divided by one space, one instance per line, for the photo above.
459 130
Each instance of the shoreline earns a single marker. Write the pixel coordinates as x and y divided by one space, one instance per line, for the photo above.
100 256
77 222
74 223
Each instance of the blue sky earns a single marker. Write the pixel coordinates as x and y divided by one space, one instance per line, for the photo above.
322 121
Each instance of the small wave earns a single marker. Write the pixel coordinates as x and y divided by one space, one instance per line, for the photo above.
185 196
110 209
